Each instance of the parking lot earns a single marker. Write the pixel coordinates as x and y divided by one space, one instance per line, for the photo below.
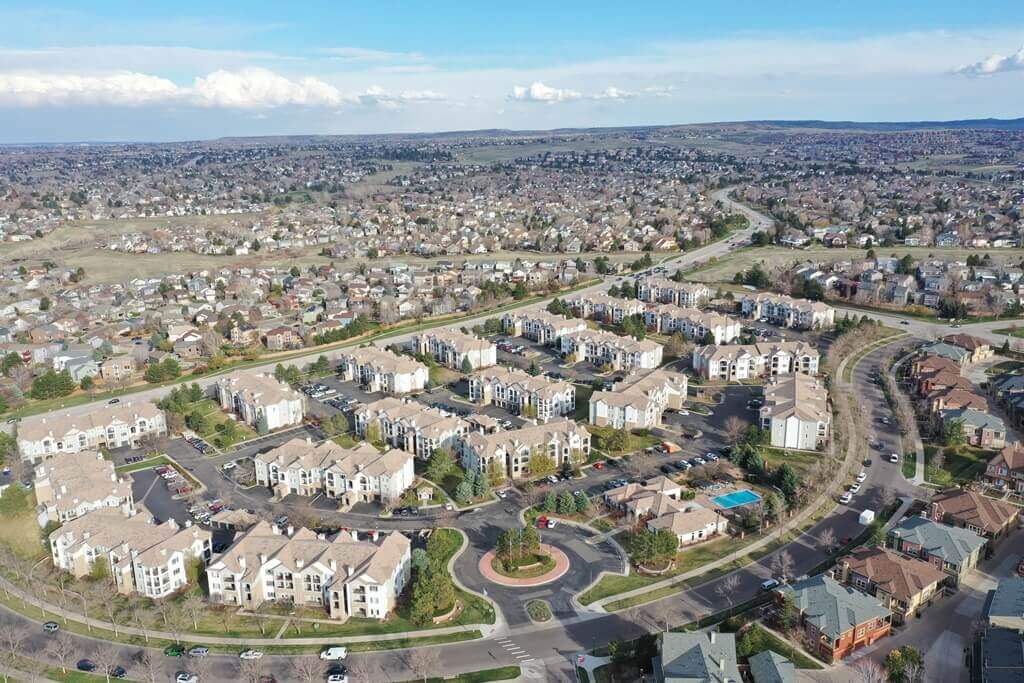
149 489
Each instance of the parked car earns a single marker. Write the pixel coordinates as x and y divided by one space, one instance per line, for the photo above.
228 466
862 477
51 627
667 469
186 677
854 488
894 457
117 671
198 651
598 465
251 654
86 665
174 650
334 653
769 584
846 498
552 479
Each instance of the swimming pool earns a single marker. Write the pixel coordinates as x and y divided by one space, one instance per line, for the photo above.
735 499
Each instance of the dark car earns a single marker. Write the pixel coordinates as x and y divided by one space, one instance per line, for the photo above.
174 650
86 665
667 469
117 671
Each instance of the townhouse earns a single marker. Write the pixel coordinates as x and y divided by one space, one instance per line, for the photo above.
954 550
739 362
353 475
707 656
607 349
666 291
605 308
786 311
904 585
795 412
638 402
145 558
98 426
345 576
455 349
260 401
1005 471
1005 604
410 426
979 428
540 326
510 452
382 370
967 509
77 483
117 368
523 394
703 327
836 620
978 348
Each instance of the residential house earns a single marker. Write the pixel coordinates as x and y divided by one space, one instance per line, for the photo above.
1005 605
508 453
117 369
455 349
978 348
666 291
968 509
768 666
703 327
1005 471
701 657
750 361
638 402
607 349
979 429
904 585
954 550
540 326
410 426
786 311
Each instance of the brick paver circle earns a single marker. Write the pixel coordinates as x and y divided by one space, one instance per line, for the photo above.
556 572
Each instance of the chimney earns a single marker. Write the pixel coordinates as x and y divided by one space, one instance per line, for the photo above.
721 663
309 440
241 561
355 535
291 531
334 565
274 530
188 523
299 563
63 488
348 570
374 535
263 559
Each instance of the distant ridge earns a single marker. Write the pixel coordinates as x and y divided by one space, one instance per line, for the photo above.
987 124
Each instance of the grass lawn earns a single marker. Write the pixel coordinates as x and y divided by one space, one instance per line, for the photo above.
909 464
346 440
503 673
801 461
961 465
756 639
538 610
1010 332
583 393
538 565
18 527
634 442
211 409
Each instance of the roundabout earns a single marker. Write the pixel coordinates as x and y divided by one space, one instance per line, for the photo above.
558 567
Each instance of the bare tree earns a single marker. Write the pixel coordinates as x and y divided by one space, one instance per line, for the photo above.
308 669
359 670
870 671
423 661
782 565
61 649
151 665
828 539
177 621
251 670
141 617
12 638
727 589
735 427
662 612
105 656
193 605
113 611
913 672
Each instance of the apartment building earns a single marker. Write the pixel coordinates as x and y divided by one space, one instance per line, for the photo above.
521 393
453 348
988 517
353 475
795 412
410 426
693 324
954 550
604 348
102 426
749 361
345 576
142 557
1005 471
260 401
381 370
602 307
666 291
904 585
77 483
638 402
562 440
786 311
540 326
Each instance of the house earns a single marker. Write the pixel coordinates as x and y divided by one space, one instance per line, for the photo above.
607 349
353 475
978 348
985 516
508 453
77 483
768 666
955 551
795 412
702 657
997 656
145 558
902 584
786 311
951 352
639 500
1004 607
99 426
540 326
979 428
410 426
749 361
638 402
836 620
382 370
260 401
521 393
691 523
345 576
1005 471
455 349
282 338
117 368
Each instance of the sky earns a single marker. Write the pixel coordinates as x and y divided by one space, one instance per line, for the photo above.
156 71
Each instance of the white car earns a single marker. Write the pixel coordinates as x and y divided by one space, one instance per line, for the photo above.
501 494
228 466
854 488
449 507
862 477
846 498
251 654
894 457
186 677
337 678
334 653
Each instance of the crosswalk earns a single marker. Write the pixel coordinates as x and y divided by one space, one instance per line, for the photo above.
515 651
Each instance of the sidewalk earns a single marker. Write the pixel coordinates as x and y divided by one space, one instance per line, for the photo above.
790 525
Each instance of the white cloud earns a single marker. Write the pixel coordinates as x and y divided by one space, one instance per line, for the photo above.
360 54
613 93
538 92
124 89
260 88
995 64
659 90
378 96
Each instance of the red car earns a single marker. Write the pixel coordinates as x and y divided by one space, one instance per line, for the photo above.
598 465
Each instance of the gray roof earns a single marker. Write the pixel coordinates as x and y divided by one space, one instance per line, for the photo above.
832 607
1000 656
945 350
974 418
1007 600
771 667
699 658
953 544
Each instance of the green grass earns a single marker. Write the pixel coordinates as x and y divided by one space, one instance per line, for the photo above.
582 411
502 673
962 464
801 461
538 610
19 530
1010 332
539 565
157 462
346 440
909 464
756 639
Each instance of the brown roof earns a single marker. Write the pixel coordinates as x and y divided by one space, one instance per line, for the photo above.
1012 455
957 397
901 577
965 341
935 363
969 507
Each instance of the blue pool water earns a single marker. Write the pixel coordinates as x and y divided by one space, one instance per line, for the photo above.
735 499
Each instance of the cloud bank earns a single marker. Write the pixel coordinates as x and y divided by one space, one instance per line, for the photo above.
995 64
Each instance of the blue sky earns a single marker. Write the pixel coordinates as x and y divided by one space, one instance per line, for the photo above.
162 71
